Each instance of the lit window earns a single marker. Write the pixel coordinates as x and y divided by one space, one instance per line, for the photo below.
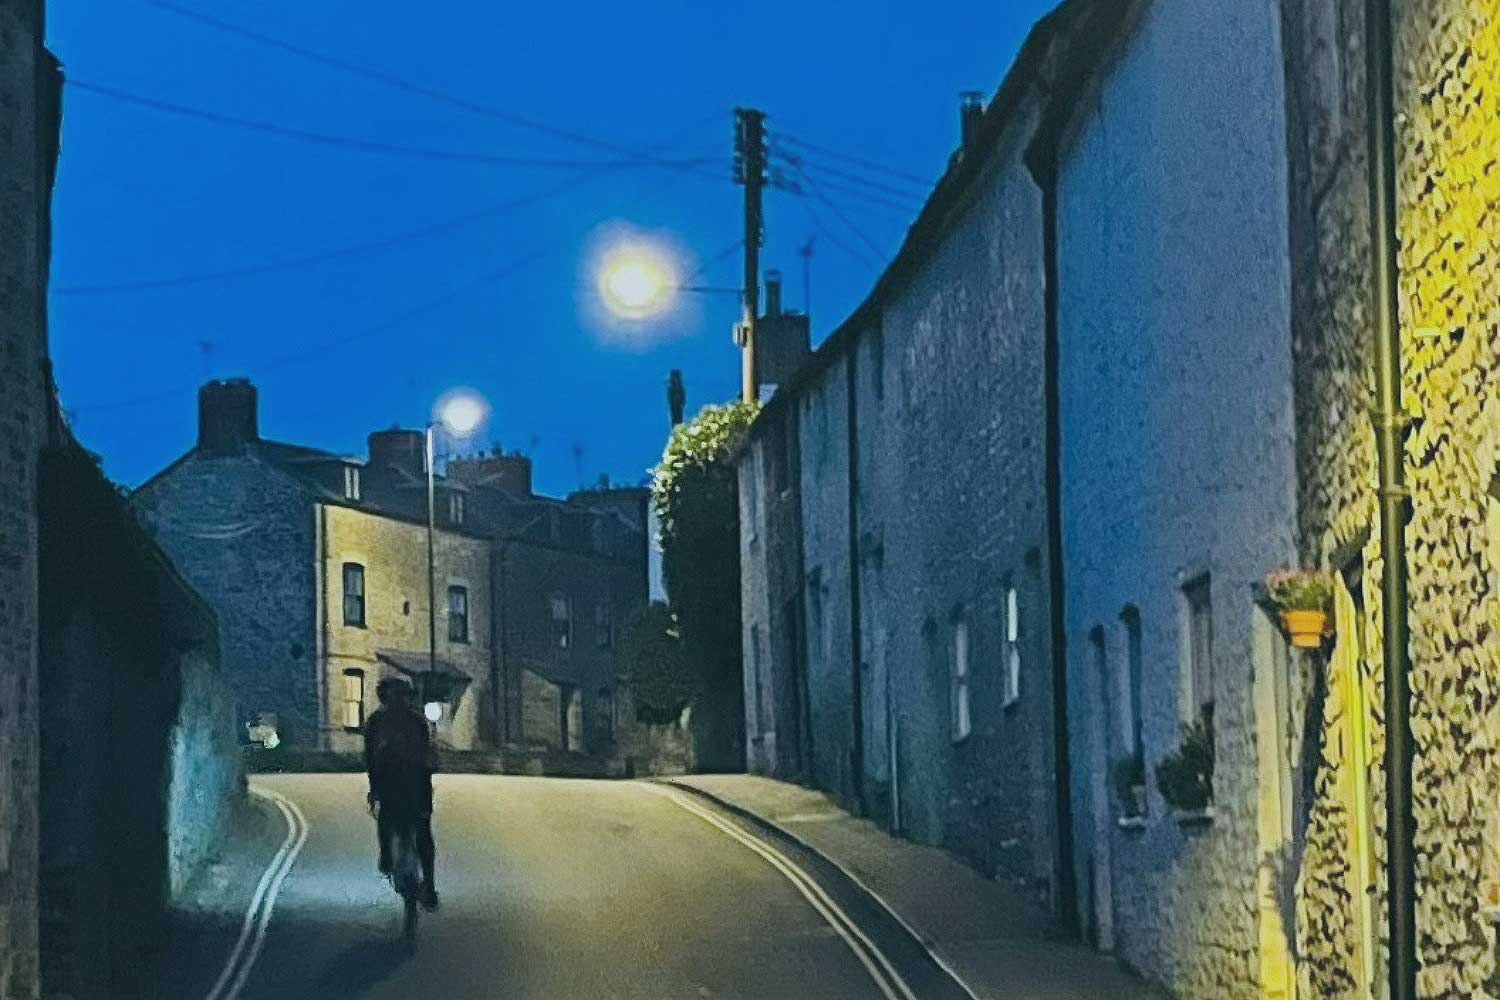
354 699
960 677
562 621
354 594
351 482
1011 667
458 614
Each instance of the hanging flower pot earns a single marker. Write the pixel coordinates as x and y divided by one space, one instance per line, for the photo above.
1306 628
1303 596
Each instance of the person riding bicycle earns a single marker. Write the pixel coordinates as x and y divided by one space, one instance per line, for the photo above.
398 758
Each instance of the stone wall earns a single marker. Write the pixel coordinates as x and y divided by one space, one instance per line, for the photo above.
207 769
1448 188
243 534
1177 464
28 143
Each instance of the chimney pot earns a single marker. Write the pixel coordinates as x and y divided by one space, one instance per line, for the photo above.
773 293
970 110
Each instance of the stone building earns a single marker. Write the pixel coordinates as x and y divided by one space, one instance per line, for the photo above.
1172 326
1447 154
29 122
895 561
317 565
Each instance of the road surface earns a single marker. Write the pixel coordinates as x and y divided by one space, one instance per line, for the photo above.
551 890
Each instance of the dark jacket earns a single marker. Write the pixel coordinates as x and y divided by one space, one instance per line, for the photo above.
398 759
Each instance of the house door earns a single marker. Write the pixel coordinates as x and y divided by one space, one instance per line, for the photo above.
1276 871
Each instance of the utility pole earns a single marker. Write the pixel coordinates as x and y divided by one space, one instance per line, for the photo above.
750 171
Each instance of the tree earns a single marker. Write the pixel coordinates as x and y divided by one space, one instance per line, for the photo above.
696 498
651 656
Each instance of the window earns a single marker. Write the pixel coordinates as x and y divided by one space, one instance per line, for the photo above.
604 625
456 507
354 594
351 482
960 681
1131 618
1199 646
1011 667
354 700
562 621
458 614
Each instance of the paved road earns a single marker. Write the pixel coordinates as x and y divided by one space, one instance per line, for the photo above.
551 890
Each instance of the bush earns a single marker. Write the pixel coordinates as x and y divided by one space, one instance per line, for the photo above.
1186 778
651 656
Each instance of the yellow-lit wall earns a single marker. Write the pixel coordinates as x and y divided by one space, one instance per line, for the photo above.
394 555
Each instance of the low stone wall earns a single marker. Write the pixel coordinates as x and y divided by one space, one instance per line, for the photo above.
207 771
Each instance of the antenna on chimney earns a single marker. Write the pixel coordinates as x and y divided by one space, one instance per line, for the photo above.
806 253
578 461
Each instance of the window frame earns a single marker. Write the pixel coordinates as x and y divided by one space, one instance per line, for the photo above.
460 619
351 482
361 596
960 674
354 703
1010 663
1196 594
561 638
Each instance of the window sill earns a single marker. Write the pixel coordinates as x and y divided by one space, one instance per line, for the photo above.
1131 823
355 625
1194 817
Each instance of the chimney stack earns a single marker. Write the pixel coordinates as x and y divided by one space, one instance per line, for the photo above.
970 110
227 418
510 474
773 293
676 396
399 449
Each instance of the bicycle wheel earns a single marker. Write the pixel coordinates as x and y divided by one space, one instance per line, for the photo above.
409 920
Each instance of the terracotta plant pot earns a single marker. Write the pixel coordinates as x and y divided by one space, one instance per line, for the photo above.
1305 627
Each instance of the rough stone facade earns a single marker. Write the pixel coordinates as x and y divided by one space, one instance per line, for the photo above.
1177 473
1447 65
929 402
28 148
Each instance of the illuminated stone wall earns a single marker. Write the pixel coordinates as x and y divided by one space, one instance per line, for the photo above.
394 555
1448 149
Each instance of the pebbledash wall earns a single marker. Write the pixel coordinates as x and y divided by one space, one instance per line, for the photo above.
1177 474
28 146
1447 64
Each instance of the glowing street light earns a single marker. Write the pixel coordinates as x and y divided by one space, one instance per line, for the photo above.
637 280
460 413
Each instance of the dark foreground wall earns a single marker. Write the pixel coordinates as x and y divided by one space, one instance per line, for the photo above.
138 757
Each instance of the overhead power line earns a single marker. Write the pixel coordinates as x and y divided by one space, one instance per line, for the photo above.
813 187
370 246
847 157
366 145
322 348
804 164
431 93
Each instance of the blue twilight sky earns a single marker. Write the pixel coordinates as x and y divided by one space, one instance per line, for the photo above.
449 286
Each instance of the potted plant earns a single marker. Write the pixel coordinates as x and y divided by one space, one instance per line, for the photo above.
1130 785
1186 777
1303 596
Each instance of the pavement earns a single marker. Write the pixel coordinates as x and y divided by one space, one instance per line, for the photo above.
552 889
999 945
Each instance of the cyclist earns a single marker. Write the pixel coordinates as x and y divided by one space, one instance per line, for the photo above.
398 758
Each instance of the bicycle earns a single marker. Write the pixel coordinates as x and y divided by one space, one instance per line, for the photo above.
406 873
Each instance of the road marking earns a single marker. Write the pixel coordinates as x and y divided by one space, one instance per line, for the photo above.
885 975
258 915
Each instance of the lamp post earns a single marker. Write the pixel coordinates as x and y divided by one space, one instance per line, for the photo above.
460 414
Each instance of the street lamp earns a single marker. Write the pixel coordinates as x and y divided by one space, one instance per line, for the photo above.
637 279
459 413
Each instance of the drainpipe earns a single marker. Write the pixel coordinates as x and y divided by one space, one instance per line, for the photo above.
1043 165
856 672
1390 425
